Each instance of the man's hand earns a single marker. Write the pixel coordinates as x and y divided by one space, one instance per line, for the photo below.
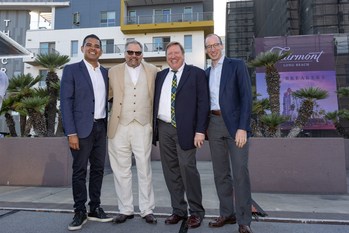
74 142
199 139
240 138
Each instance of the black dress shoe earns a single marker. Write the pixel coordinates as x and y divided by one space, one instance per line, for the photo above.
194 221
244 229
150 218
174 219
121 218
221 221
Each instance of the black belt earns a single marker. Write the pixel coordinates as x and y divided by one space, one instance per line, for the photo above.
216 112
98 120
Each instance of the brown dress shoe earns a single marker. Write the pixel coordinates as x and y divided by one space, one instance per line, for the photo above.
221 221
121 218
244 229
194 221
150 218
174 219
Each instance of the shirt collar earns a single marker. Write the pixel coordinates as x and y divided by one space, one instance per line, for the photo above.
90 66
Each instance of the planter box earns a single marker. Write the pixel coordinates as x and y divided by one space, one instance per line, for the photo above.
298 165
293 165
45 161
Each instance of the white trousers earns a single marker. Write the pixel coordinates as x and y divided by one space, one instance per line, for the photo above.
133 138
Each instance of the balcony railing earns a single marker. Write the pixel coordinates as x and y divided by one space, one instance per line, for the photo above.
37 51
169 18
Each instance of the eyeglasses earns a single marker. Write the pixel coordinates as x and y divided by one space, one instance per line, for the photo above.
137 53
213 46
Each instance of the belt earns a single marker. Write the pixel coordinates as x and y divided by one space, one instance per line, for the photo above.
216 112
98 120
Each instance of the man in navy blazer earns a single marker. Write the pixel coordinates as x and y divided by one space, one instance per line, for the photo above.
228 132
184 89
84 88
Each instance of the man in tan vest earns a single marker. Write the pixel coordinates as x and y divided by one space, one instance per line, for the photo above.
131 86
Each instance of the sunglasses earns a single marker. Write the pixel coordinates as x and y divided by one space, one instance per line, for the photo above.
137 53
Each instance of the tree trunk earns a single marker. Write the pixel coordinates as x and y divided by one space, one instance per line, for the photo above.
11 124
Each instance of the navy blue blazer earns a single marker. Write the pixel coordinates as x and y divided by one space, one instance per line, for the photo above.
77 99
192 105
235 95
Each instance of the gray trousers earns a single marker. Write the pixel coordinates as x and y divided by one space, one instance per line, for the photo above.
226 156
180 172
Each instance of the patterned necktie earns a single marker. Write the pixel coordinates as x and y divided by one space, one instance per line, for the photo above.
173 98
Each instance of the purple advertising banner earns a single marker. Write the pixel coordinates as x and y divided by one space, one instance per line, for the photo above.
311 64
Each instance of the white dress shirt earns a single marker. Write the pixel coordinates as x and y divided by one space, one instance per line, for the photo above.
99 90
215 80
134 73
164 113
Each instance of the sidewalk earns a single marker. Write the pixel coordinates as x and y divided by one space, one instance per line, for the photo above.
333 209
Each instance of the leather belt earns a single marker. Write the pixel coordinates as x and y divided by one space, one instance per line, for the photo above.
216 112
98 120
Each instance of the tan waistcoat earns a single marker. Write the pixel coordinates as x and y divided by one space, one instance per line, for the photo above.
137 102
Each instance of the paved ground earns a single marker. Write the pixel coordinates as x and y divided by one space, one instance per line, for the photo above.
47 209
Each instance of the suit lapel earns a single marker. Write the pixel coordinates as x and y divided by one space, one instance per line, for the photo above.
184 77
226 74
86 75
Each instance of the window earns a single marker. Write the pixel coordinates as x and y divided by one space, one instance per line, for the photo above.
108 46
74 48
43 74
47 47
162 15
76 18
188 13
108 18
159 43
188 43
131 17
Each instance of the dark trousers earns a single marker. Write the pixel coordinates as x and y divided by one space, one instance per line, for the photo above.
93 151
226 156
180 172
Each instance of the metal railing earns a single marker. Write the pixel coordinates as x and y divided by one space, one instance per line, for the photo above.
169 18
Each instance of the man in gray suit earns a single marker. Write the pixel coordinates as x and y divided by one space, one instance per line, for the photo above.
228 132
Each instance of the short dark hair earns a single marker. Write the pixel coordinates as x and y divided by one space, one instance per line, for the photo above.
92 36
174 43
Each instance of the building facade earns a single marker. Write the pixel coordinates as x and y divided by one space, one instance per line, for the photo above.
59 26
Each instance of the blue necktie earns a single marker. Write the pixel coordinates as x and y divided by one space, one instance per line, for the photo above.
173 98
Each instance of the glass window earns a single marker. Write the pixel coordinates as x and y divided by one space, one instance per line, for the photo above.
131 17
47 47
74 48
76 18
188 13
108 18
162 15
108 46
159 43
188 43
43 74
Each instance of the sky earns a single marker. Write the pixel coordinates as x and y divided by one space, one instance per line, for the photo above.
219 16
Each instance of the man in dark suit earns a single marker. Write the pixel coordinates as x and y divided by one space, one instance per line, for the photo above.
83 96
181 90
228 132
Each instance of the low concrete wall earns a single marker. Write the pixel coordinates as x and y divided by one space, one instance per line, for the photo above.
346 145
293 165
298 165
45 161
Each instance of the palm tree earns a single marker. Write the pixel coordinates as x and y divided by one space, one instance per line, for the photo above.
338 116
271 123
272 76
52 61
259 108
20 87
309 97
